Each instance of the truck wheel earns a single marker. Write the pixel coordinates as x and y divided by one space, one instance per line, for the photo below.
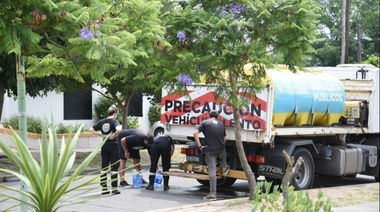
303 178
159 131
224 182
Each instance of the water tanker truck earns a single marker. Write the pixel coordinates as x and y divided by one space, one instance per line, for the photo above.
329 116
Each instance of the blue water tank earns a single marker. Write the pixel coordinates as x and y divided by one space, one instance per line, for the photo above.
306 98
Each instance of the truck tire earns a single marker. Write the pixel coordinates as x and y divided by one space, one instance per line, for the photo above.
159 131
303 178
223 182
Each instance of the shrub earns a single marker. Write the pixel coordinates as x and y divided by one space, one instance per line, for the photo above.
34 125
12 122
62 128
374 60
267 199
133 122
101 107
49 191
154 113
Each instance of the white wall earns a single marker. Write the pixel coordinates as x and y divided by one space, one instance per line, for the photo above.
53 104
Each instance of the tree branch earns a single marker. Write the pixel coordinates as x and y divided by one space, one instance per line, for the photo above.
289 173
51 41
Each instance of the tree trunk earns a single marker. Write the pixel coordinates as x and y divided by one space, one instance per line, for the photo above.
2 93
243 159
289 173
125 107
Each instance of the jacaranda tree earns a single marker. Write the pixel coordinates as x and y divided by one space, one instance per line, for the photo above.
111 43
215 39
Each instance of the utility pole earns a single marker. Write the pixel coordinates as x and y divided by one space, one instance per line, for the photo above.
21 93
345 31
359 40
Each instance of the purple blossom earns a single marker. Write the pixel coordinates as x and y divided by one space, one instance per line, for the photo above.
222 11
86 33
323 1
237 9
185 79
181 36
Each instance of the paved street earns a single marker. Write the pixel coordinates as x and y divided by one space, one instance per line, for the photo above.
183 192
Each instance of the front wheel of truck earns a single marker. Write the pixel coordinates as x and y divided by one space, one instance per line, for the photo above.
223 182
303 177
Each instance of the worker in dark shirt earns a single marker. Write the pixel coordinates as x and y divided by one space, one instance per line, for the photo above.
131 141
110 150
163 145
213 146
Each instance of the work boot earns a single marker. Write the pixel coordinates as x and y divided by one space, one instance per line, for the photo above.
151 183
166 183
115 191
105 191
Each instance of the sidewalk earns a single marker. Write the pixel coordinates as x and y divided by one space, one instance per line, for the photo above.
225 206
364 207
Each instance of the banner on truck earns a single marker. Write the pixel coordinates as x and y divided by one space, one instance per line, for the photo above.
193 108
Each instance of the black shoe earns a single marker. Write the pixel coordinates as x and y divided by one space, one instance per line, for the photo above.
144 182
116 192
166 187
149 187
124 183
105 192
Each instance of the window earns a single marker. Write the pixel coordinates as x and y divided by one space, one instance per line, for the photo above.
77 105
135 105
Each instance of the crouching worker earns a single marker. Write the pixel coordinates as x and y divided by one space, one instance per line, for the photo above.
163 145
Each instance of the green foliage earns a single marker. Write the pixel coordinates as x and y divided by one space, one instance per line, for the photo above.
268 199
133 122
218 39
35 125
363 16
12 122
101 107
154 113
63 128
48 179
374 60
218 43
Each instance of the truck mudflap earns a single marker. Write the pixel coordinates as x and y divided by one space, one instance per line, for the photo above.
200 172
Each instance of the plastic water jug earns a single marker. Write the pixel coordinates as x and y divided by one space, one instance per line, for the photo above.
136 179
158 181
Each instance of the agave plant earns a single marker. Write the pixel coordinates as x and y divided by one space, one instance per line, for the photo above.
48 180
